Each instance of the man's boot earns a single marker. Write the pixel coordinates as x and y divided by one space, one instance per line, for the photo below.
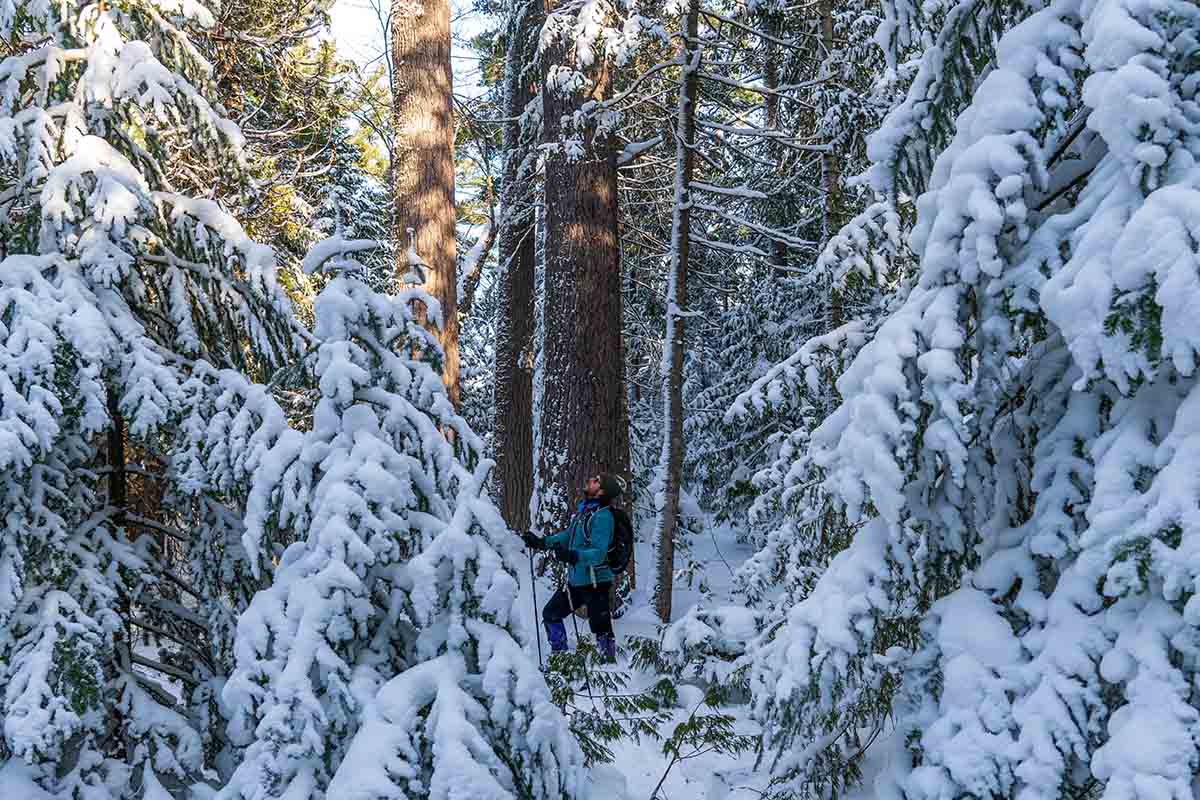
556 632
608 648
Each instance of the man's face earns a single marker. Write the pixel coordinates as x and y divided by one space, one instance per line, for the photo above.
592 487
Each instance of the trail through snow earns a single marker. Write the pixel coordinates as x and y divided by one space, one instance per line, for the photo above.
637 767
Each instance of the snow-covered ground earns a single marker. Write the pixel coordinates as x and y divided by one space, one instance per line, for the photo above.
17 782
637 767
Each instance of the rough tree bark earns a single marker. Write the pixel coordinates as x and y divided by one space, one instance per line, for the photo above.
583 360
672 451
423 161
514 320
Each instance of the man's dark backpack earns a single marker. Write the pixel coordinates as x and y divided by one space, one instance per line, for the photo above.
620 549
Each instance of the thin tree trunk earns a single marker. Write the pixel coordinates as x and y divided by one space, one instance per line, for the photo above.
672 451
517 242
118 482
118 499
831 172
473 268
627 582
831 176
583 358
771 23
423 161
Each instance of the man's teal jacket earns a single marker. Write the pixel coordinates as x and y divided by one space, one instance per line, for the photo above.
588 534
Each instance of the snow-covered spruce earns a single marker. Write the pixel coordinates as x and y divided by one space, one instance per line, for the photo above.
805 527
118 287
381 662
829 96
868 265
1020 439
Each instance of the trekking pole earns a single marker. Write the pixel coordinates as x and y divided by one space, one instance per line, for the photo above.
536 627
587 679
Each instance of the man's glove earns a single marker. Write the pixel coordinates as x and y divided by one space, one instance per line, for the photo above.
566 556
533 541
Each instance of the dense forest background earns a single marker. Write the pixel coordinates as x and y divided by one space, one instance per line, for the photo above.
884 308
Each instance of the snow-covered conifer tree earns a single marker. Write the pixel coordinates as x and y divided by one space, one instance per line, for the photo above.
234 429
825 96
360 204
1019 594
381 662
117 287
867 265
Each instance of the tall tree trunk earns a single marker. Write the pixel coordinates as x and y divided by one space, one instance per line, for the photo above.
831 171
514 320
583 359
831 175
423 161
672 451
118 500
772 24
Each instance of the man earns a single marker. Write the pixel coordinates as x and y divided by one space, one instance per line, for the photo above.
583 545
